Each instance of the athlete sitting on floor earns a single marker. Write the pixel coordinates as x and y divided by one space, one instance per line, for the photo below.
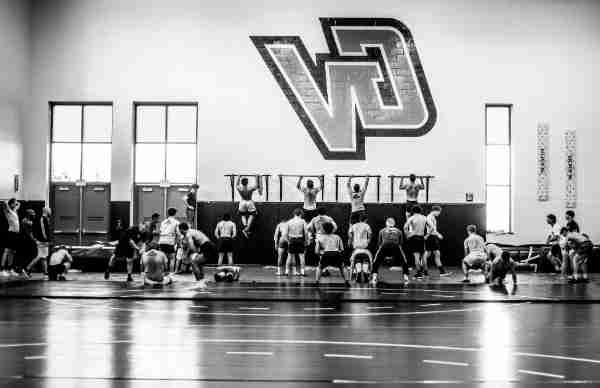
199 249
499 268
475 253
59 263
227 273
330 247
155 266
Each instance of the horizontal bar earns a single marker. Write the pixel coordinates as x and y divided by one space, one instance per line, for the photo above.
302 175
234 175
358 176
407 176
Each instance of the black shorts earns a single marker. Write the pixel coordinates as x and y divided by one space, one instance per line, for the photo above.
416 244
225 245
208 250
333 259
126 252
11 241
432 243
357 215
55 270
410 205
389 250
283 244
167 249
296 246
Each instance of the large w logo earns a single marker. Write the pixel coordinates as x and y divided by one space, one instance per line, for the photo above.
371 84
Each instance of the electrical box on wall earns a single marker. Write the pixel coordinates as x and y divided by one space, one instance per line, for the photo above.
469 197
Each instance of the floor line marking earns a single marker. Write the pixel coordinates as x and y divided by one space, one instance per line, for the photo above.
379 307
254 308
250 353
557 357
443 296
358 356
35 357
536 373
319 308
453 363
23 345
430 304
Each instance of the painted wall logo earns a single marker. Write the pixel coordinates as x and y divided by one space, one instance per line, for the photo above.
370 84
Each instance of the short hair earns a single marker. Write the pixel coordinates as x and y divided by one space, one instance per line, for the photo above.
155 215
297 212
555 250
471 228
551 217
564 230
244 181
412 177
390 219
226 217
184 226
328 228
310 183
30 212
171 212
436 208
322 211
356 187
505 255
417 209
570 213
12 201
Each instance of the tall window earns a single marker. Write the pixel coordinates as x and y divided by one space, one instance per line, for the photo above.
81 135
498 171
166 142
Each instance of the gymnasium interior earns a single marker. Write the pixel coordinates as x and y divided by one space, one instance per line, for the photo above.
119 116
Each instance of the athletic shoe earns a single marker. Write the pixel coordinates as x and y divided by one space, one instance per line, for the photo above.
5 273
347 283
466 281
106 275
129 278
374 282
278 273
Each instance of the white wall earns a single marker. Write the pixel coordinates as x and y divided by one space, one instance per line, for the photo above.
14 88
538 55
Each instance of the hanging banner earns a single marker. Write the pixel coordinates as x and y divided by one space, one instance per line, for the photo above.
543 176
571 151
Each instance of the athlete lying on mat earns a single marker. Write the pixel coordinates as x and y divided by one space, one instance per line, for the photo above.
227 273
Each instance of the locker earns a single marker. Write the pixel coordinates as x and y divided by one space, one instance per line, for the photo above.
149 199
175 198
66 208
96 209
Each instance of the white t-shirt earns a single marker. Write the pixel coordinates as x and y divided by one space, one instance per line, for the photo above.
168 231
13 220
310 197
361 234
554 233
431 224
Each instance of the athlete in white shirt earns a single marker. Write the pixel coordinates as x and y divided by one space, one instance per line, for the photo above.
359 238
475 253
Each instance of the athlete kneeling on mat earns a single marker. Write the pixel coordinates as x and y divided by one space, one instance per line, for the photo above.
390 245
155 266
330 247
59 263
499 268
199 249
475 253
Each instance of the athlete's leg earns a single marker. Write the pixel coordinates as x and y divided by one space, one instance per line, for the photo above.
220 261
230 258
109 266
301 258
129 268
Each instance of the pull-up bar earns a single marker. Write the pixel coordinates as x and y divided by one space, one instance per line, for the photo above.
427 179
232 183
320 177
337 183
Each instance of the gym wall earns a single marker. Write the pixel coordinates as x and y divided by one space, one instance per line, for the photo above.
14 90
538 55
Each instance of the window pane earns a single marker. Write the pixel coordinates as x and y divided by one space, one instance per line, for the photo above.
181 125
181 163
497 125
96 162
150 124
97 123
149 163
66 123
66 162
498 209
498 165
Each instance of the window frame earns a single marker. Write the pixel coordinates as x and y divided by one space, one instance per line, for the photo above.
510 156
81 142
166 105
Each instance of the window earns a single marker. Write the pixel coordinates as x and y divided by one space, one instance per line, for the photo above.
81 136
498 167
166 142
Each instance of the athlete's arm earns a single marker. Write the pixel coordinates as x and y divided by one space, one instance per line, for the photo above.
259 184
334 225
233 231
276 237
421 185
299 185
366 185
349 186
217 231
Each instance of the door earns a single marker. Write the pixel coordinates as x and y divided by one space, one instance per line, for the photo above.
175 198
149 199
67 208
96 209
